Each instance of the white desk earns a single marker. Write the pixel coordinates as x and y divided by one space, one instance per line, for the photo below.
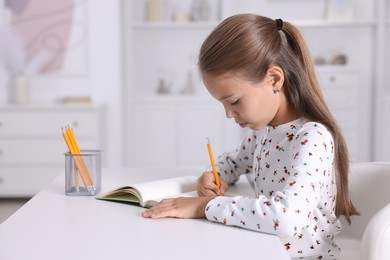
54 226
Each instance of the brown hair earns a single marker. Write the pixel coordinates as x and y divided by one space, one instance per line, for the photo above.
249 44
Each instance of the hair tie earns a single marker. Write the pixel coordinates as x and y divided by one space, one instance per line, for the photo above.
279 24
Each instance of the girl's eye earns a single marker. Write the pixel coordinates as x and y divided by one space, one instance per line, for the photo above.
235 102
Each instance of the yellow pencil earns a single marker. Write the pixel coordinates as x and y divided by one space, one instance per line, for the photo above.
80 164
78 151
216 176
71 148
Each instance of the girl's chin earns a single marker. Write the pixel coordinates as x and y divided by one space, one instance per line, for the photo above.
250 126
255 127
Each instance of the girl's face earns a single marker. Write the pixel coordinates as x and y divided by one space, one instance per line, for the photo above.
253 105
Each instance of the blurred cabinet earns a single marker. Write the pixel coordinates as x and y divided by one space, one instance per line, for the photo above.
32 146
342 96
382 76
167 48
385 152
154 134
172 131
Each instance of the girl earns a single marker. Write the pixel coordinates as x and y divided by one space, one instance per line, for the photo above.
261 71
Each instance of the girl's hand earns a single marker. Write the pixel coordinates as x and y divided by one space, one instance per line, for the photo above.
183 207
206 185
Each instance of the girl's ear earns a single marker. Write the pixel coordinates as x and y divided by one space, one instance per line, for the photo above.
275 75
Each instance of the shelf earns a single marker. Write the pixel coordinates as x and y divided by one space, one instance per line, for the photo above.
174 99
335 69
212 24
173 25
47 105
330 24
202 96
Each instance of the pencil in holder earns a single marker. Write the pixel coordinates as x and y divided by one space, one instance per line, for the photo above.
83 173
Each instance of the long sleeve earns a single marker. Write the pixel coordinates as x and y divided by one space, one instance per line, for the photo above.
240 161
297 191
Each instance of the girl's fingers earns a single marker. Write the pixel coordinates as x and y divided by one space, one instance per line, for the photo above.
163 209
206 185
179 208
224 187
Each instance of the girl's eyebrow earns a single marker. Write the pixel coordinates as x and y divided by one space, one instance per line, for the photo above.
226 97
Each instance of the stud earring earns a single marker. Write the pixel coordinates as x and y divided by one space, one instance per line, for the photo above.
276 91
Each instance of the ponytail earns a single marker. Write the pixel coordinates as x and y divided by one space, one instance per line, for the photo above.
316 109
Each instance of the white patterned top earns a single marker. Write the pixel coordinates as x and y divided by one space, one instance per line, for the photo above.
292 167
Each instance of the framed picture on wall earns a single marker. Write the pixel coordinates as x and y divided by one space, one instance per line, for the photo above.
53 35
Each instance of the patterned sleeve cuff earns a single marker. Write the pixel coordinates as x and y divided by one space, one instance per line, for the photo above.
214 209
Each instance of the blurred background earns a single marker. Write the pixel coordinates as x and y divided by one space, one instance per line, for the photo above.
123 75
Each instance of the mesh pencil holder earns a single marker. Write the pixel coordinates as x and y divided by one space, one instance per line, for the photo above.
83 173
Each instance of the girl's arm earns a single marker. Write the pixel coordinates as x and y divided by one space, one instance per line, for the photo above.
231 165
240 161
290 210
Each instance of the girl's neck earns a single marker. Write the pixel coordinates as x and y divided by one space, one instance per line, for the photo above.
285 113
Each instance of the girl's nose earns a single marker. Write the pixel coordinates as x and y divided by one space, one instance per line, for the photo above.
229 113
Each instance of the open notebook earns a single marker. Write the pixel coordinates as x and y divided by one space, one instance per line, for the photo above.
150 193
147 194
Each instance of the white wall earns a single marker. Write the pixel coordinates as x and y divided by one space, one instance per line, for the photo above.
102 82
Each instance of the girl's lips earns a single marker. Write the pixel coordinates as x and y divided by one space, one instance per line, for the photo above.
243 125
